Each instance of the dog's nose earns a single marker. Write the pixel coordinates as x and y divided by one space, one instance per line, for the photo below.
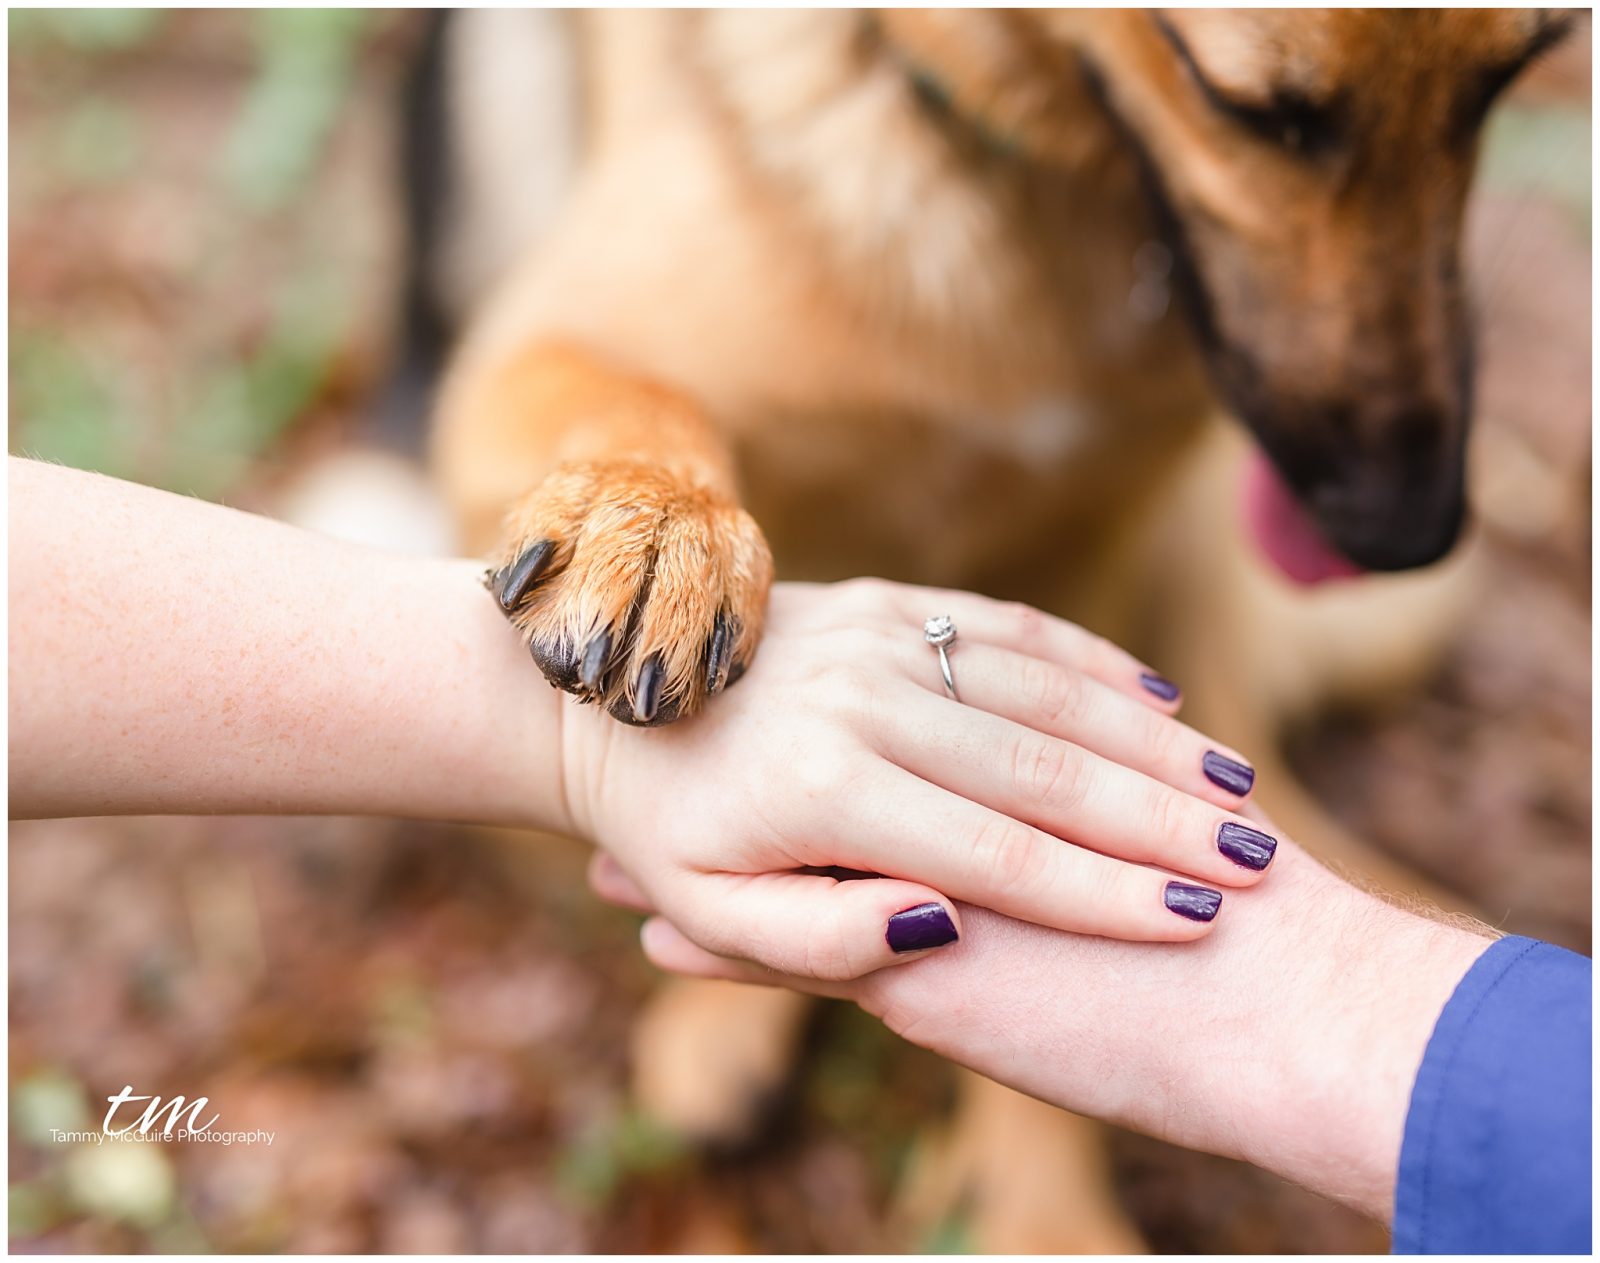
1397 501
1393 530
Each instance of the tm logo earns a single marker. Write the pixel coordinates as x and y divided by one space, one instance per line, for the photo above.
174 1110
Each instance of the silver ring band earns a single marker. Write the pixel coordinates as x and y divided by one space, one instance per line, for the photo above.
939 631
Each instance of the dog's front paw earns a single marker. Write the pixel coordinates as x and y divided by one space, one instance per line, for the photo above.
634 588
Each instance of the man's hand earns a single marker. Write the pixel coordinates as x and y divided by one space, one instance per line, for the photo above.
1288 1038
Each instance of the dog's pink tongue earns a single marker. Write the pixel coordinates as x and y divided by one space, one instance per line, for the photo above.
1285 532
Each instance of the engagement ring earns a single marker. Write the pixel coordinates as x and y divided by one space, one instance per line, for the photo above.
940 631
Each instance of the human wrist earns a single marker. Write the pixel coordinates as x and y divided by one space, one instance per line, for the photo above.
507 738
1348 1041
587 739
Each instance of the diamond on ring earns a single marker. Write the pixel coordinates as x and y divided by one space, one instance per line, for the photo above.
939 630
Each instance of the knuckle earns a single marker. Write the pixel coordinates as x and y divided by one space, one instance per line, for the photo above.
848 767
866 594
854 706
1045 770
814 959
826 953
1035 768
1169 818
1164 741
842 673
858 585
841 646
821 774
867 643
1114 888
829 952
1057 696
1105 655
1008 857
1101 890
1029 622
844 958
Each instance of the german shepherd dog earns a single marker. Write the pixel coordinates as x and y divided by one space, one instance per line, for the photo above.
954 297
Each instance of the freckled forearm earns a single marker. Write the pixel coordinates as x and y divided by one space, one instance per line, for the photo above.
169 655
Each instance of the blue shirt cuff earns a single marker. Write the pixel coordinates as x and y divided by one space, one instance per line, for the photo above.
1497 1153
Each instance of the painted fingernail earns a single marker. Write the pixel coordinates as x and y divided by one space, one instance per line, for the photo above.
918 929
594 661
1230 774
717 655
1162 687
1247 847
647 691
1197 903
521 573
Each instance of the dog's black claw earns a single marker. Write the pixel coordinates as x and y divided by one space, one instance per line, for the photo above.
648 709
667 711
647 691
595 658
513 582
718 655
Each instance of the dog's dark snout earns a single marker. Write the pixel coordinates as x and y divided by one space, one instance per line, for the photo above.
1381 527
1391 495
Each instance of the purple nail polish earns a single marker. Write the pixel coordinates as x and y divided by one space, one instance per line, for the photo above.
1247 847
917 929
1198 903
1232 775
1162 687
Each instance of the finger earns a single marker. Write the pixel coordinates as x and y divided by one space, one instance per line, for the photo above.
815 926
1070 792
667 947
1074 706
610 881
1023 629
983 856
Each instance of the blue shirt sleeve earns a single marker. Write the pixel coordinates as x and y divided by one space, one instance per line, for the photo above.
1497 1153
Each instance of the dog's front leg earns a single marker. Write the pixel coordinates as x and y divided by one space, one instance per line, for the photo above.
625 558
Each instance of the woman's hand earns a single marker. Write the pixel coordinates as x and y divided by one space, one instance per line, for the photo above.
1059 790
1290 1038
